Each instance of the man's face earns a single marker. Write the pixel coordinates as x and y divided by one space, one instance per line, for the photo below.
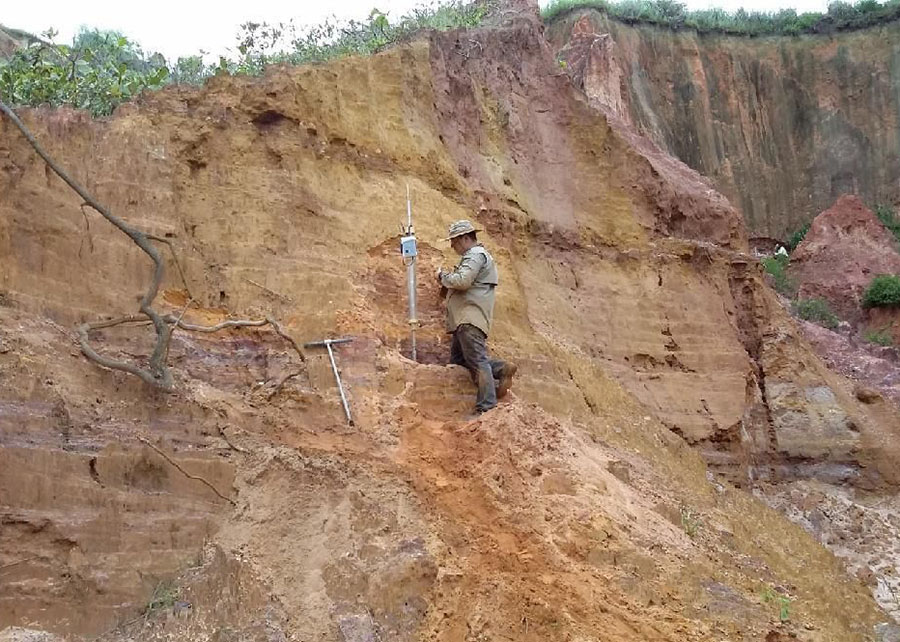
459 245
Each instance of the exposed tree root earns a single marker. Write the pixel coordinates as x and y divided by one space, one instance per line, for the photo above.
176 322
87 231
184 472
17 562
281 382
284 335
157 373
228 441
161 239
224 325
277 295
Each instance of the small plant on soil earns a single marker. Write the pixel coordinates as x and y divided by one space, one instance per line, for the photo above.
889 219
782 602
690 522
164 597
816 310
879 337
784 608
674 15
777 267
883 291
261 44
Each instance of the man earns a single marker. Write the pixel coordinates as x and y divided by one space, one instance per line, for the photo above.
470 310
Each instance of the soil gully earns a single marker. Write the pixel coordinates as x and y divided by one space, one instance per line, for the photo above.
742 288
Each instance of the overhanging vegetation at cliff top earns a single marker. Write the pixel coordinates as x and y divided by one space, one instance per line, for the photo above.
841 16
101 70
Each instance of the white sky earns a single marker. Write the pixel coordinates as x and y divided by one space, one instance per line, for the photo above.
184 27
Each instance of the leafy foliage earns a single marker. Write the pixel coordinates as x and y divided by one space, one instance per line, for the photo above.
782 602
690 522
777 267
879 337
784 608
671 13
818 311
889 218
100 70
797 237
103 69
883 291
190 70
261 43
164 597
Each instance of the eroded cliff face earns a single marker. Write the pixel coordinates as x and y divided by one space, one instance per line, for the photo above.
573 511
782 125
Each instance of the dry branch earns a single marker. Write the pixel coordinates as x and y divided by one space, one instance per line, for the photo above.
184 472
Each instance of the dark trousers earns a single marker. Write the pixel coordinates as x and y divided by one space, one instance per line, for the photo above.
468 348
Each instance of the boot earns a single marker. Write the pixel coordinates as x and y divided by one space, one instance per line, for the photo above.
505 381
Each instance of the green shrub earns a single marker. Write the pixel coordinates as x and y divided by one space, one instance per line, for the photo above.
98 72
840 16
783 602
260 44
103 69
777 266
164 597
784 608
818 311
879 337
883 291
190 70
690 522
797 237
890 220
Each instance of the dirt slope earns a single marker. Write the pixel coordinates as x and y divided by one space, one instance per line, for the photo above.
846 247
572 512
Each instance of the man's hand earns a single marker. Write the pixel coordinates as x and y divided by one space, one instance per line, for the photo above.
440 274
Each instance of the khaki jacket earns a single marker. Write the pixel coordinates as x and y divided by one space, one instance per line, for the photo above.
470 290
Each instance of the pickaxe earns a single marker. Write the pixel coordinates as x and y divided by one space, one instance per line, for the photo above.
337 377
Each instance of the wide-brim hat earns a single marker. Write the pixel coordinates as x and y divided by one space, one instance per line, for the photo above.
459 228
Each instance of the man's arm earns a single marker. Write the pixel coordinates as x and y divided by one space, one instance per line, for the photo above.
464 274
